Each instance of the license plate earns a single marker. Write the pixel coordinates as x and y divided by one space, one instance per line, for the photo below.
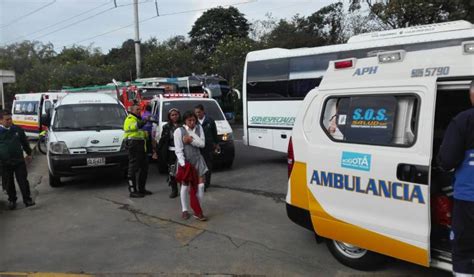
95 161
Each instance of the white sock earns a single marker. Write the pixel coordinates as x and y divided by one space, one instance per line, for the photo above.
184 197
200 193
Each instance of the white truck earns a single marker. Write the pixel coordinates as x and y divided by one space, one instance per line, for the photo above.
85 135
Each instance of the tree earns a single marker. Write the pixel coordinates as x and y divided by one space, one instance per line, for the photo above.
229 57
404 13
173 58
216 24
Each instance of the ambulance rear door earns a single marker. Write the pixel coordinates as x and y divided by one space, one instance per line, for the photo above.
368 165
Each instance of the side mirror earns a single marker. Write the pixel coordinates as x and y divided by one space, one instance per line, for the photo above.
236 92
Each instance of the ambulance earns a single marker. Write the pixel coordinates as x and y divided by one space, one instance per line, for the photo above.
362 163
28 108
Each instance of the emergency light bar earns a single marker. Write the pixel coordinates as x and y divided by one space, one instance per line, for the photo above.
185 95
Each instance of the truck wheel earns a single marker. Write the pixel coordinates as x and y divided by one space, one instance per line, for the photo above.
353 256
54 181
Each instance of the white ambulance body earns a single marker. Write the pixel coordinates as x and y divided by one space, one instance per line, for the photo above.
27 109
362 157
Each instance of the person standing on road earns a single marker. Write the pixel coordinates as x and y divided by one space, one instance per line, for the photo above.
457 152
13 143
135 142
166 148
212 142
147 127
188 141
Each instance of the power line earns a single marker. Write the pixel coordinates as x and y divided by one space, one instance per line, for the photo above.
153 17
84 19
57 23
28 14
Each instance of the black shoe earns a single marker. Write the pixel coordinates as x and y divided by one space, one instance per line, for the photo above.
145 192
11 205
136 195
174 194
29 203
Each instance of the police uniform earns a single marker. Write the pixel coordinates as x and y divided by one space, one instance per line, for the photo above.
457 152
13 142
135 141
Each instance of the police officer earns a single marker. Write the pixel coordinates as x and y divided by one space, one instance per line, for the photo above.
12 144
457 152
135 141
212 142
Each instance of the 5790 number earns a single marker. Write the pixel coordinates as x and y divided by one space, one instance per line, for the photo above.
430 71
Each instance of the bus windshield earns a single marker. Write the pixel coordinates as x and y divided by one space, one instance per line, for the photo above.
89 117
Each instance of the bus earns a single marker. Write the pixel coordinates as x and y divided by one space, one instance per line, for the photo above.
275 81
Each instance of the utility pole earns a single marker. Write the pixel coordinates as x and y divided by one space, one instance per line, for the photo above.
137 39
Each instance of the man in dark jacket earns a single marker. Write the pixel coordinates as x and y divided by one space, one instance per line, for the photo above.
212 142
12 144
457 152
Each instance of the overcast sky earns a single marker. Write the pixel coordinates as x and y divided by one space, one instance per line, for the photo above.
68 22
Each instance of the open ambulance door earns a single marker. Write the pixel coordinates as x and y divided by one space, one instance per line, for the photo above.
368 169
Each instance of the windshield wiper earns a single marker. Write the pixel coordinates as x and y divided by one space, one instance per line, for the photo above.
67 128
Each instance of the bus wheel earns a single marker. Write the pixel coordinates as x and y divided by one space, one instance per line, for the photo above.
353 256
54 181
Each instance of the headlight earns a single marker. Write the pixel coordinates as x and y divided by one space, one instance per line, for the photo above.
227 136
58 148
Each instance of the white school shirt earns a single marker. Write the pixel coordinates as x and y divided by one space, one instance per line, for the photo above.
198 141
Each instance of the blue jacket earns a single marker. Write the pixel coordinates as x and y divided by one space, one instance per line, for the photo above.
457 152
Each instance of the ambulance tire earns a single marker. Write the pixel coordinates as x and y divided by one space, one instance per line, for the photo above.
54 181
354 257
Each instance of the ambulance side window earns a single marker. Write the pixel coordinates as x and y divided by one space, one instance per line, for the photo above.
371 119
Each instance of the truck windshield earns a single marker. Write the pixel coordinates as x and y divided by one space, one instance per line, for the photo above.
210 107
89 117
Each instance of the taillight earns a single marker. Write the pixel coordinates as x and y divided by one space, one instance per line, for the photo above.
343 64
291 157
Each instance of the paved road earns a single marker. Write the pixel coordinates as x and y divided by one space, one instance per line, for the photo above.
90 225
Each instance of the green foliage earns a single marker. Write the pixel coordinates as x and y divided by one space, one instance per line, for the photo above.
405 13
219 42
216 24
229 58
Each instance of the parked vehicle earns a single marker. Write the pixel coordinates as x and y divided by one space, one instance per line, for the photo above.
362 162
85 135
182 102
28 108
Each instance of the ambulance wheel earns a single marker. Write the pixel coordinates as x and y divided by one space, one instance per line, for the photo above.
54 181
353 256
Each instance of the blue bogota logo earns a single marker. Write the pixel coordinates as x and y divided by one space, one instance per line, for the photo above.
357 161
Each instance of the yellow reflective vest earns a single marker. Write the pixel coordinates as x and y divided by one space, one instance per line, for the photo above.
131 126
